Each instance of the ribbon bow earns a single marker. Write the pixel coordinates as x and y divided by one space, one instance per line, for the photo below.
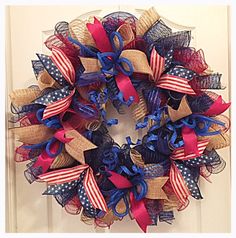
192 126
114 60
175 78
123 185
61 69
91 188
53 147
185 171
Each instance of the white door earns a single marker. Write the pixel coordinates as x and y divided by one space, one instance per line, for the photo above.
28 210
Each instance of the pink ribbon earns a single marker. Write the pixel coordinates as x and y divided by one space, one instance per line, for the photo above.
103 44
190 141
138 208
99 35
126 87
217 107
44 160
60 135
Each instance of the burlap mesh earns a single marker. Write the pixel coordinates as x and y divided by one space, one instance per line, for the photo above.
79 31
78 145
146 20
33 134
20 97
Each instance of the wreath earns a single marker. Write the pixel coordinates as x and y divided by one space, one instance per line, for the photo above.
62 121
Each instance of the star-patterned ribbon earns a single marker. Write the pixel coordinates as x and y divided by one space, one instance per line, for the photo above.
61 69
176 78
89 186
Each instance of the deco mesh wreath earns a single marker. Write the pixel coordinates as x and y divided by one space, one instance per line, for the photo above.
129 62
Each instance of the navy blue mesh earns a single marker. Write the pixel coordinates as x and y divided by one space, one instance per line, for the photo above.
175 40
37 67
157 31
62 28
112 21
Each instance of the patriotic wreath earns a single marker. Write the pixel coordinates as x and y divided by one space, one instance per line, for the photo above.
63 126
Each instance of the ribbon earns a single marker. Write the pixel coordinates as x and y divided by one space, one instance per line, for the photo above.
192 126
110 60
113 60
217 107
138 208
190 141
72 174
64 73
52 148
99 35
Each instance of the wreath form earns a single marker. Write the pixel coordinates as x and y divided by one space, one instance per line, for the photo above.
129 62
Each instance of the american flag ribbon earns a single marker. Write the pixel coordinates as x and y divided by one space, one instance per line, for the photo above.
157 64
179 154
179 185
175 83
64 65
59 106
90 185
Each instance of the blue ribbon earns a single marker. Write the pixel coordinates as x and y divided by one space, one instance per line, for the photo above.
137 180
111 158
52 122
47 145
111 62
99 98
199 123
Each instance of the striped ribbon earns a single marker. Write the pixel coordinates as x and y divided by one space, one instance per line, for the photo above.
176 179
67 70
175 83
157 64
167 81
63 64
58 106
179 154
179 186
67 175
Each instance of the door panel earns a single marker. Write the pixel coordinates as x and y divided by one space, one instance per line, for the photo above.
32 212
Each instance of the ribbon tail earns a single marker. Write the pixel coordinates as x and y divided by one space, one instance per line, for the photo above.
179 186
44 160
126 87
190 141
119 181
140 213
217 107
99 35
93 192
58 107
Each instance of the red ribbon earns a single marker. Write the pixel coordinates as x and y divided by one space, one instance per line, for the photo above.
99 35
60 135
190 141
126 87
44 160
103 44
138 208
217 107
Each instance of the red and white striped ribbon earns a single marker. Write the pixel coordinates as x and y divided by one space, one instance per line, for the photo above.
175 83
157 64
90 185
59 106
179 186
63 64
178 154
93 191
